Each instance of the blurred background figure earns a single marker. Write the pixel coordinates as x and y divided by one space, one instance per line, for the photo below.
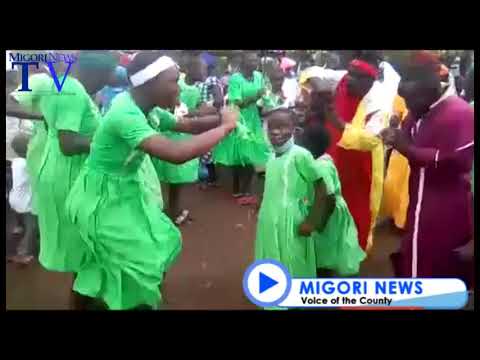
118 84
20 199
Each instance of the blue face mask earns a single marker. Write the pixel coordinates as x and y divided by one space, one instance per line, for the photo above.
285 147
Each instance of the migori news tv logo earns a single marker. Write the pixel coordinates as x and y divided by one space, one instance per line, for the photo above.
24 61
267 283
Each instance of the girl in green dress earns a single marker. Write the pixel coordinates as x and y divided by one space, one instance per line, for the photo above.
175 175
303 220
337 250
72 118
131 242
247 145
283 230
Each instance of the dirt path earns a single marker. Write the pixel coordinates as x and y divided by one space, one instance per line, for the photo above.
217 248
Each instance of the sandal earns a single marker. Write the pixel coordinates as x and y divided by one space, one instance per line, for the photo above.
248 200
182 217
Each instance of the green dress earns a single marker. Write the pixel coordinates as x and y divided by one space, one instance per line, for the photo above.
270 101
31 101
188 172
61 248
289 191
119 213
162 121
337 246
246 145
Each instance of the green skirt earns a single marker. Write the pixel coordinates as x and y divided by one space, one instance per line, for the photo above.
243 146
131 242
34 159
277 238
176 173
337 247
61 248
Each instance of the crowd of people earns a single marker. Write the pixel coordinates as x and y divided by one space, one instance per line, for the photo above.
338 149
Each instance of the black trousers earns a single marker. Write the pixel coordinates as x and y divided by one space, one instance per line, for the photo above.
212 174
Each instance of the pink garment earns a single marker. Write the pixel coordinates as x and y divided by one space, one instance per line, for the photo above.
287 63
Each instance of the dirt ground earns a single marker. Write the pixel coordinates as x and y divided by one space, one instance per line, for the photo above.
217 248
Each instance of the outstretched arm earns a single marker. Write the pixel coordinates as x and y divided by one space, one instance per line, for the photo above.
179 152
14 109
197 124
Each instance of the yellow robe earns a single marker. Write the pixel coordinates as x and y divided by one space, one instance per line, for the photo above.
356 137
395 191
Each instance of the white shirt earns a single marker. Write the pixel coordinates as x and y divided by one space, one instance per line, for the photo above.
20 197
12 127
380 98
290 90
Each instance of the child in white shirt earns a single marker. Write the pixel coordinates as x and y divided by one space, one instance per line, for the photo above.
20 199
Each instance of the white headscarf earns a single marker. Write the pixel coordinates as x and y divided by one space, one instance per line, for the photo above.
329 78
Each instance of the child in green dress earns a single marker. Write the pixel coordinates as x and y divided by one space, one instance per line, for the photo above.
176 176
336 239
293 200
303 221
273 98
247 146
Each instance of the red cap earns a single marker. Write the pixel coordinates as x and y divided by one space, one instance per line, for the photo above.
365 67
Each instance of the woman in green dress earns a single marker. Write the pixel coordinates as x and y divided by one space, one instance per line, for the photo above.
71 117
247 145
177 175
29 101
131 242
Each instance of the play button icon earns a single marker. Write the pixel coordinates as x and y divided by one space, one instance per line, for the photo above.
266 283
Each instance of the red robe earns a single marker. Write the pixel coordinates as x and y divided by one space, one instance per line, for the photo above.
354 167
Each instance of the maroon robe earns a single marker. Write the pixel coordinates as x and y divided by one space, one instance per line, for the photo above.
439 213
